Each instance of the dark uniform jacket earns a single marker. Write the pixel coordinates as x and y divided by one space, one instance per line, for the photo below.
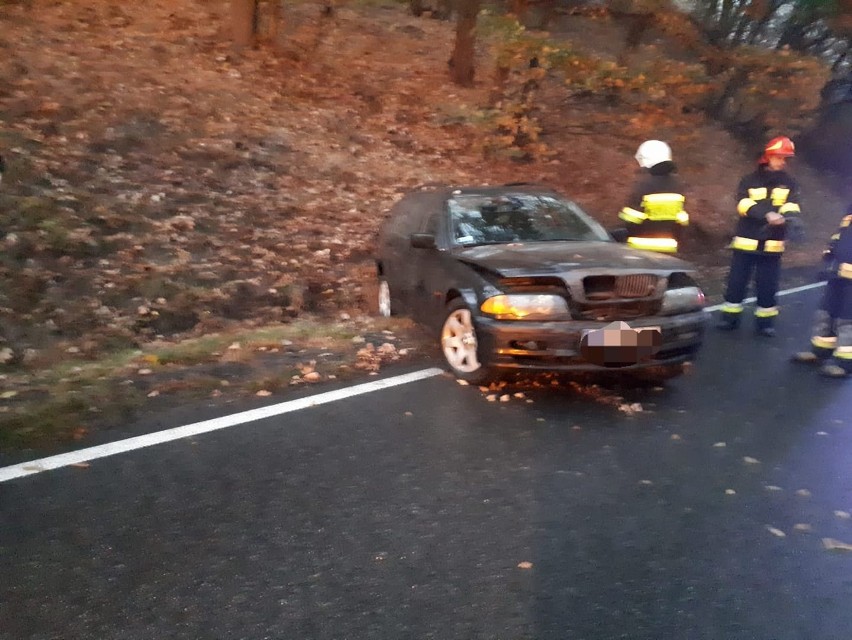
655 208
837 269
758 194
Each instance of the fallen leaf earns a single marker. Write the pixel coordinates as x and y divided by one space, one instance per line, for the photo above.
463 383
8 394
154 394
803 493
843 514
719 445
750 460
491 397
675 437
505 397
81 465
802 527
525 565
776 532
730 492
263 393
772 487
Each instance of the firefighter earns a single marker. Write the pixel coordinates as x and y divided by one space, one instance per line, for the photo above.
831 339
764 199
654 213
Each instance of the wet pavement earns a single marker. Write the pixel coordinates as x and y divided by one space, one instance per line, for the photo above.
700 510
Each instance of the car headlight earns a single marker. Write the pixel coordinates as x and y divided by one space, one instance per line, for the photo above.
526 306
682 299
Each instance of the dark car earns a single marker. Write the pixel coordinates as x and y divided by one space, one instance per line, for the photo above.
517 277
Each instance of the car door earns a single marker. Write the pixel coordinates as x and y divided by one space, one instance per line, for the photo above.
396 252
428 267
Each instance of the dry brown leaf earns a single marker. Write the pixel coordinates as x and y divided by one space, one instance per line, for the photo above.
525 565
831 544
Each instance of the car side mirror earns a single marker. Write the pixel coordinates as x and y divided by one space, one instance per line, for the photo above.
619 235
422 240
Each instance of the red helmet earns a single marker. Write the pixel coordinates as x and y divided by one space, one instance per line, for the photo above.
781 146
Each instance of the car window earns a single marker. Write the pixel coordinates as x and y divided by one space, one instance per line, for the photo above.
523 217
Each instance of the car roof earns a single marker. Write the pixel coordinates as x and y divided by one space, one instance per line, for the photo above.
446 191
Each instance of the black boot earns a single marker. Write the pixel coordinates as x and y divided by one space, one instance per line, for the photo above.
728 321
764 327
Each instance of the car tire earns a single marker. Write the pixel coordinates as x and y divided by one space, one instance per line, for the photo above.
383 299
460 345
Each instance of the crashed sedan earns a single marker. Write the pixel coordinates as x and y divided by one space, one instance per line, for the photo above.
518 278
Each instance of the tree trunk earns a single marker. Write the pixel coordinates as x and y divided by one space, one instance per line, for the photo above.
275 18
244 22
462 68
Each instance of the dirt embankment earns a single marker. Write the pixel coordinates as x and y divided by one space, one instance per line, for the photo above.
162 186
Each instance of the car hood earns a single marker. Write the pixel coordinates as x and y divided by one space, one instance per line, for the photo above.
519 259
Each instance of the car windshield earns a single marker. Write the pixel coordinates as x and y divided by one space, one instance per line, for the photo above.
522 217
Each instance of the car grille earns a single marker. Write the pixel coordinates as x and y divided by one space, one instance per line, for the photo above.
613 298
614 312
637 285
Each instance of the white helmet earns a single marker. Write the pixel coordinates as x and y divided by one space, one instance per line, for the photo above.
653 152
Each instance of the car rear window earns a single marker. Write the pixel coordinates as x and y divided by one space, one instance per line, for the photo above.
522 217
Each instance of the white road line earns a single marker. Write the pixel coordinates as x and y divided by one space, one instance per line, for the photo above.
786 292
223 422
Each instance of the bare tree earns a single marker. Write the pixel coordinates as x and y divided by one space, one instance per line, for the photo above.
462 63
244 22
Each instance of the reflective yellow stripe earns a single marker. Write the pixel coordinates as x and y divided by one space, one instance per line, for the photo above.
758 193
790 207
779 196
766 312
773 246
823 342
744 205
656 198
663 206
845 270
732 307
632 215
743 244
844 353
666 245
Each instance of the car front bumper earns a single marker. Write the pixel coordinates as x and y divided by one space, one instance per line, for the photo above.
555 346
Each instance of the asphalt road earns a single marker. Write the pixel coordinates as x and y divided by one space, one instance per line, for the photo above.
427 511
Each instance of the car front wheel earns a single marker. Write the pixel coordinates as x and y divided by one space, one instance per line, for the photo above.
460 345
